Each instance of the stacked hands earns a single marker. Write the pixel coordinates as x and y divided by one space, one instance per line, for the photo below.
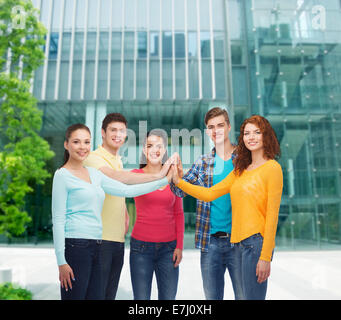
172 168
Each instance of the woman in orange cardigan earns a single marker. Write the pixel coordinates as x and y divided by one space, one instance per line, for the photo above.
255 186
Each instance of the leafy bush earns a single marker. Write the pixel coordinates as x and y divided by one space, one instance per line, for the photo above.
10 292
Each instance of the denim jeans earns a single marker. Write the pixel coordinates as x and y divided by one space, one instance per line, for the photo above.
82 255
147 258
250 249
112 257
220 255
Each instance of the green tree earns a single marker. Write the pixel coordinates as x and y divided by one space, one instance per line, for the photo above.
23 152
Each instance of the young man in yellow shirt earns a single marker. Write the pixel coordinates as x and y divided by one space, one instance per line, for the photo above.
115 218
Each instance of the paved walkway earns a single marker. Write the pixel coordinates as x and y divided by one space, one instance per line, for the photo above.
299 275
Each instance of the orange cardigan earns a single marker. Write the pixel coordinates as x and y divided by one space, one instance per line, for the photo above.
255 197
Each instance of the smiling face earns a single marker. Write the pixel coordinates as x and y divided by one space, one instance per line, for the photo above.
218 129
114 136
78 144
154 149
253 137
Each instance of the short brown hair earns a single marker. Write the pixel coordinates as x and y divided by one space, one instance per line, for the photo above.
216 112
113 117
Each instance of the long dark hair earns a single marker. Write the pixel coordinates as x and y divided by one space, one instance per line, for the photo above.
159 133
68 134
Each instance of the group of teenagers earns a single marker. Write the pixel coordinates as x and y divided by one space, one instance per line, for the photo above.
238 190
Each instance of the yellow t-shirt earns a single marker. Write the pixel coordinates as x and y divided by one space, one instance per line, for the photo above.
113 212
255 199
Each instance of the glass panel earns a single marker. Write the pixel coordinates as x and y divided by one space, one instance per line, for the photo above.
68 14
167 82
102 79
192 44
207 75
51 79
141 79
63 80
92 15
204 15
220 79
154 79
89 80
129 41
154 44
128 84
66 46
205 44
142 44
142 14
38 79
218 10
105 13
115 79
116 44
179 18
80 15
76 80
180 73
218 45
130 19
166 44
193 78
154 15
166 15
179 45
191 15
117 14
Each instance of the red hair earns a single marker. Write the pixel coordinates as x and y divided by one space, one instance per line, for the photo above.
270 143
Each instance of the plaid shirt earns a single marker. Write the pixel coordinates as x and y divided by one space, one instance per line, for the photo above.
201 173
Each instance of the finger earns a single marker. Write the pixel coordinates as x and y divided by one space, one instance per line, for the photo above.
69 281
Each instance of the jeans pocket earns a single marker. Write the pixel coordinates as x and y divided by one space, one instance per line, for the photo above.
77 243
171 245
137 246
253 243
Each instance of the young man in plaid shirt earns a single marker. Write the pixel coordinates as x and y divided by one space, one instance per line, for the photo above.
213 219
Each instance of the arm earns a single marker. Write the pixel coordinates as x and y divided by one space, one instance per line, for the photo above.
274 189
180 228
129 177
206 194
116 188
191 176
59 198
126 221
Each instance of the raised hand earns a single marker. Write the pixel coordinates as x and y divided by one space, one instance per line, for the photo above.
166 166
175 174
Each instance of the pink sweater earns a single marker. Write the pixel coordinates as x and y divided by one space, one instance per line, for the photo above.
160 217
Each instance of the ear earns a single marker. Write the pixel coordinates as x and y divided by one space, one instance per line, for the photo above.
103 133
65 145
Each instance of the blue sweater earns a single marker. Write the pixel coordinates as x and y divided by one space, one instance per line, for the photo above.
77 204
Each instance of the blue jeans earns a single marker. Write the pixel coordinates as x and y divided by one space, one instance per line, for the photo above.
82 255
147 258
112 257
250 249
220 255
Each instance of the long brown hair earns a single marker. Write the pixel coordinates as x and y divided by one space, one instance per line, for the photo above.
270 143
68 134
158 133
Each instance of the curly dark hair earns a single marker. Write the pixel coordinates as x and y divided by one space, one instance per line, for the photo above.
270 143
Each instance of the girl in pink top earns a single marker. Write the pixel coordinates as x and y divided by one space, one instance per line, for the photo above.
157 237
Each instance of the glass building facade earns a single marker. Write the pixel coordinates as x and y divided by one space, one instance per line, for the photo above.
167 62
